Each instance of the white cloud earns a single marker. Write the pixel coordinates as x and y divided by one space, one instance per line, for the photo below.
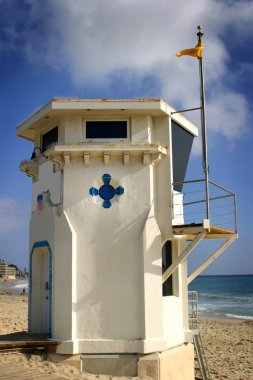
94 41
226 118
13 215
231 109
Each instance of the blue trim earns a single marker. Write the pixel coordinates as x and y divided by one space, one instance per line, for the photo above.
106 204
119 190
106 178
40 244
93 191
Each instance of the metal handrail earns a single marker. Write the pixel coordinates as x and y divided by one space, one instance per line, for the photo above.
213 198
210 199
202 180
222 188
189 181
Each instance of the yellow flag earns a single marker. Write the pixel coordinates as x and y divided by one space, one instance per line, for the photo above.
197 51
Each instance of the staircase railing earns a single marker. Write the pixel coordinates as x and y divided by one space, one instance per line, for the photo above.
197 341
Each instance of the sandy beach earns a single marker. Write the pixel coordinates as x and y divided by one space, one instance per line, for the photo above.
228 347
228 344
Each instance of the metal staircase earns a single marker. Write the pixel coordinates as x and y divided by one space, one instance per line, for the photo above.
203 371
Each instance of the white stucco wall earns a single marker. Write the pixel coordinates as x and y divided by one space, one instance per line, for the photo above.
73 130
107 269
141 128
64 279
163 179
109 251
47 180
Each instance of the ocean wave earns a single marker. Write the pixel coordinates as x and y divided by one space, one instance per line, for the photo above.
19 286
16 287
224 305
216 297
227 310
219 314
239 316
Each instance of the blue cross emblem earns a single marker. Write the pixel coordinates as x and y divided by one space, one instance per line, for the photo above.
107 191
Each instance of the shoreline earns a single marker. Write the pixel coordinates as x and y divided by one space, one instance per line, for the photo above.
232 318
222 319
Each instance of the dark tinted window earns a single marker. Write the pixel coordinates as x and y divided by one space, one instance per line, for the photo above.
166 263
181 149
49 138
106 130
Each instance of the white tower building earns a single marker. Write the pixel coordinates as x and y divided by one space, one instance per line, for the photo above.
108 268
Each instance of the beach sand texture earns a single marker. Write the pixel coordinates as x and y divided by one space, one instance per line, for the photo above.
228 345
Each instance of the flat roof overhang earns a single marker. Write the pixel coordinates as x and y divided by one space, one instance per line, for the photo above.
124 108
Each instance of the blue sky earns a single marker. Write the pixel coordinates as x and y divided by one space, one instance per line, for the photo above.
124 49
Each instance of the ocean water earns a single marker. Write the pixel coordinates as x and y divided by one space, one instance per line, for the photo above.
225 296
16 286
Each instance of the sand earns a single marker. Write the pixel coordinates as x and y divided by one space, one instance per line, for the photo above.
228 345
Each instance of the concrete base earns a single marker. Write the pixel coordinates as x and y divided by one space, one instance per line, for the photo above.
174 364
73 360
115 365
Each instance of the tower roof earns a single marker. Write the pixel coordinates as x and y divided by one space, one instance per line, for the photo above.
99 107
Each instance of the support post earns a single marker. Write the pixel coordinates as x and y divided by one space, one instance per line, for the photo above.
183 255
214 256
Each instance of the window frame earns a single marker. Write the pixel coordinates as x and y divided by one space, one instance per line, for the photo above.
104 139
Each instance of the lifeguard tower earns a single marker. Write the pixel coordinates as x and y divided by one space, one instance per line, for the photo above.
110 233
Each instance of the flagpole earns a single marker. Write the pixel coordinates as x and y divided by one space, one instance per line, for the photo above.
203 126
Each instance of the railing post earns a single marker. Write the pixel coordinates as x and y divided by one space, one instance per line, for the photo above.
236 227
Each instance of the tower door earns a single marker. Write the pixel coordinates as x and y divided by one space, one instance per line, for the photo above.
40 291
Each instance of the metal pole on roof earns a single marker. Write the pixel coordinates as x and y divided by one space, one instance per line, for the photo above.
203 126
197 52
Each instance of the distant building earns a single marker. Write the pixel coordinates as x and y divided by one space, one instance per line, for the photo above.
7 272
